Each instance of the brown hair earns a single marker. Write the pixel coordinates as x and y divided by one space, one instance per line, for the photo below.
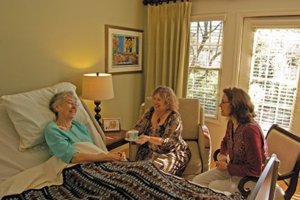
168 95
242 107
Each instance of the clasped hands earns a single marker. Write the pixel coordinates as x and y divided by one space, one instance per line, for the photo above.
221 163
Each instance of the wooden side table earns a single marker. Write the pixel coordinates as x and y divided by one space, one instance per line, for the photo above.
115 139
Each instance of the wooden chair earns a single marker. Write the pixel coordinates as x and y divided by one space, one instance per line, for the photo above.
266 183
287 148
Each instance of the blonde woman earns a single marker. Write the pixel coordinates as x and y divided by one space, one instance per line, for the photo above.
160 133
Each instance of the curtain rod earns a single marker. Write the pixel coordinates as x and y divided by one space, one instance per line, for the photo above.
157 2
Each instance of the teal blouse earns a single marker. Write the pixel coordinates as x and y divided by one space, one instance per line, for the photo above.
60 142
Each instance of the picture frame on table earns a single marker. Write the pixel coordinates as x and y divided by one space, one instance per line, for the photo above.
111 124
123 50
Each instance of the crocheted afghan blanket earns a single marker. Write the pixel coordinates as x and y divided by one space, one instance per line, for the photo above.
121 180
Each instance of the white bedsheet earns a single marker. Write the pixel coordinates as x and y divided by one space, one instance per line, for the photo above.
47 173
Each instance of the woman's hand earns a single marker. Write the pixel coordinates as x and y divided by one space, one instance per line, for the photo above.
222 157
221 165
98 157
142 139
119 156
122 156
153 140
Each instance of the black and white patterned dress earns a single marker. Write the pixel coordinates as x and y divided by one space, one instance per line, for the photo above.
173 155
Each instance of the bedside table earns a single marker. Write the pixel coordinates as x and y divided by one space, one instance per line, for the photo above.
115 139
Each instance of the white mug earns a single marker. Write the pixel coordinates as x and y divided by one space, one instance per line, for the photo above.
132 134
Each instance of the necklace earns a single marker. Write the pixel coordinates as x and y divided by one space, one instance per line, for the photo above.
160 116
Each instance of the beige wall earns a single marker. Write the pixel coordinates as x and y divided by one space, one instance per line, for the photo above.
45 42
234 10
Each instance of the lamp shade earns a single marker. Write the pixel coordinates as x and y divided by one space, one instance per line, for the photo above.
97 86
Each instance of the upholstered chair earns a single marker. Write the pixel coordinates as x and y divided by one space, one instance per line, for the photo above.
195 133
286 146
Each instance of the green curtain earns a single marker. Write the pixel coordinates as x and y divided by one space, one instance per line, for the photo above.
167 41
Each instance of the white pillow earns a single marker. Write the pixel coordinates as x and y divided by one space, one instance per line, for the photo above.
30 113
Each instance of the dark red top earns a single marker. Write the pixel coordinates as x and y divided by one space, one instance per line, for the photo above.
247 149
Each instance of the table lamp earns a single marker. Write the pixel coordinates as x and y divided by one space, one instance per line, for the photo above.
97 87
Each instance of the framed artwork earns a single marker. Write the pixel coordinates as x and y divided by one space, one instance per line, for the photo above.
123 49
111 124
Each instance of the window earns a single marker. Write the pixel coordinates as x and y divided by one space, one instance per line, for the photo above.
274 65
206 44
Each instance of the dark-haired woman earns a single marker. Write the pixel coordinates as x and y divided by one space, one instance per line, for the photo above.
243 148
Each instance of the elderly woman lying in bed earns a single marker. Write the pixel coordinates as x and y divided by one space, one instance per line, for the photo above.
61 134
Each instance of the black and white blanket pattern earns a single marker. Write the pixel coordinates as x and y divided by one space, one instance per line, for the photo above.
121 180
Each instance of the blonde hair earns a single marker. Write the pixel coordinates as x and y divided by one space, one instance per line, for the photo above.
168 95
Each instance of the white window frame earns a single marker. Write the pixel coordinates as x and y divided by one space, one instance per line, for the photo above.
250 23
213 17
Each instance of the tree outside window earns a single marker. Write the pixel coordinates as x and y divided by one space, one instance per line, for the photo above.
206 44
